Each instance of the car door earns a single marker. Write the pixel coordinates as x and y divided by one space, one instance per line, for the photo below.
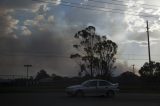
90 88
103 87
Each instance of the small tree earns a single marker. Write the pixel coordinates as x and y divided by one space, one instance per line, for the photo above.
150 71
42 74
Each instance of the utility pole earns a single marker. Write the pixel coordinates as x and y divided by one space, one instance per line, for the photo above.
133 68
149 54
27 66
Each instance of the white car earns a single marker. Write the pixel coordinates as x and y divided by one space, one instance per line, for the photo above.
93 87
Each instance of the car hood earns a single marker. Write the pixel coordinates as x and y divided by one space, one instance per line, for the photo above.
75 86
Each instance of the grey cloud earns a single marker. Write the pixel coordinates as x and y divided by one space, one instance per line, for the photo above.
105 22
137 36
48 48
9 4
141 38
8 24
4 23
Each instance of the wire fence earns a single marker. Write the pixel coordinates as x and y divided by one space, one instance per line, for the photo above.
12 77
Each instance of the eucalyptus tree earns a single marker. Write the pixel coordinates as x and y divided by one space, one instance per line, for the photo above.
95 53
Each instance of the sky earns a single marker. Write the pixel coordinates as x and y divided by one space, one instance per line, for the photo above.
41 32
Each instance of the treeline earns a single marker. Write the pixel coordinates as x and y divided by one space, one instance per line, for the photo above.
44 79
128 82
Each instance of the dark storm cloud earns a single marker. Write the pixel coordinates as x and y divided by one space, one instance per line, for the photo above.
10 4
3 23
44 49
7 23
39 41
47 47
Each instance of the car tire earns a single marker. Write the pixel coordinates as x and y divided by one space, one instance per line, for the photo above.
110 94
80 93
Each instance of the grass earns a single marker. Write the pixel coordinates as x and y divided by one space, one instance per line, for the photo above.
30 89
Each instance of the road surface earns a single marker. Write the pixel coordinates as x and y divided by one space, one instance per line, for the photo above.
60 99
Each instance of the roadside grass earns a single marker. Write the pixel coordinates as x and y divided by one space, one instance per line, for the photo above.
30 89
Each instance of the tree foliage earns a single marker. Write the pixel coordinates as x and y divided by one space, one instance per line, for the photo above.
96 54
41 75
150 71
105 51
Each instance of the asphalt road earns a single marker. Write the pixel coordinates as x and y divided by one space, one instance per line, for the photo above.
60 99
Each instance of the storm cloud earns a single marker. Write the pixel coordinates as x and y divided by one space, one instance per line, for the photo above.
10 4
38 41
41 33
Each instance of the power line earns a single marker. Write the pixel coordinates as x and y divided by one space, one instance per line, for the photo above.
93 6
139 54
111 9
122 4
35 55
120 1
95 9
138 3
11 75
100 7
51 54
67 57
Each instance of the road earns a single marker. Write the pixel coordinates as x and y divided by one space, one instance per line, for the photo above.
60 99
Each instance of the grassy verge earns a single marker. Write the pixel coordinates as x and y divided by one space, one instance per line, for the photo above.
30 89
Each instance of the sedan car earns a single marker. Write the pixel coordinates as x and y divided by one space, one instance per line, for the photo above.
93 87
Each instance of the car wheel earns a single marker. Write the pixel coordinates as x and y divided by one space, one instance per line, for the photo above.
80 93
110 94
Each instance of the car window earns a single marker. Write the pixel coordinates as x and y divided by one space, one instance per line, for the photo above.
103 83
90 84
